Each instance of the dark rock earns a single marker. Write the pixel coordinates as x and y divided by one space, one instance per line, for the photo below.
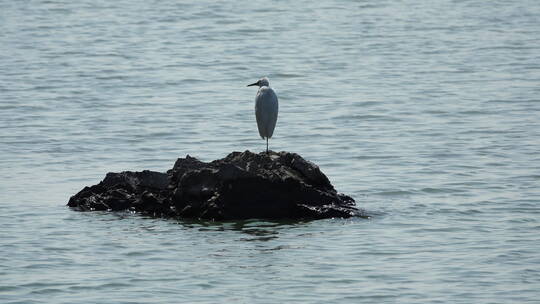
240 186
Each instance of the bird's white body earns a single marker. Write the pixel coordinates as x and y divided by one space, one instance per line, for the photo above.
266 109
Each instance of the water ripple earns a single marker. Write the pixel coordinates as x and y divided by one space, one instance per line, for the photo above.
425 112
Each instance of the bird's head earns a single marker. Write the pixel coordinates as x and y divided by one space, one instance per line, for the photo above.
263 82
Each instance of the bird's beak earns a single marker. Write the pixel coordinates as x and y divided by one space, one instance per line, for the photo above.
253 84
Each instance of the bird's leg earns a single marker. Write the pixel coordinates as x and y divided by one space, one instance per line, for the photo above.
267 145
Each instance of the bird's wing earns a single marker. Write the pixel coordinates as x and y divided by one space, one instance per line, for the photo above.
273 107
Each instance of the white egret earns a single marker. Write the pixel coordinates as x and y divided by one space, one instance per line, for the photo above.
266 109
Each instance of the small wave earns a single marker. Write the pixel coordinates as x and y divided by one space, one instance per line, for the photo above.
47 291
441 190
367 117
112 285
394 193
366 157
287 75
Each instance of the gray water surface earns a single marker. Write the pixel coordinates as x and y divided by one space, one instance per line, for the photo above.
426 112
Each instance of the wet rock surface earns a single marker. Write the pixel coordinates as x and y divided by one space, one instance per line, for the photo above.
278 185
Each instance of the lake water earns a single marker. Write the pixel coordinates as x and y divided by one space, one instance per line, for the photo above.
426 112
